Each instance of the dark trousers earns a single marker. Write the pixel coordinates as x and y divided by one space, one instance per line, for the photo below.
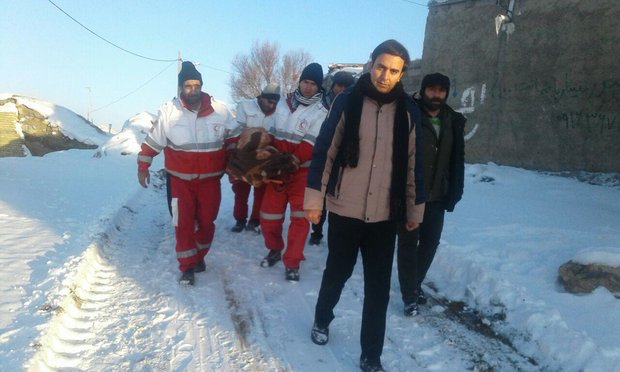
416 250
345 237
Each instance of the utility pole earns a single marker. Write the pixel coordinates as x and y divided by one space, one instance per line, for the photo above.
90 105
179 63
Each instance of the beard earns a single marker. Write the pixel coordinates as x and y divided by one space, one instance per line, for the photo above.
192 98
433 104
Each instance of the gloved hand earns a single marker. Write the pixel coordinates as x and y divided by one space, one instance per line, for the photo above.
144 178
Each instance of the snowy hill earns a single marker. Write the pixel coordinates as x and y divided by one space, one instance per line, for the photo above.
89 278
128 140
33 126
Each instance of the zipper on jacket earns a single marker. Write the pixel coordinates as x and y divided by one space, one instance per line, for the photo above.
374 152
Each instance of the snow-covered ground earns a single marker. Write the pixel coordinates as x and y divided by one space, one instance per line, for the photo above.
89 278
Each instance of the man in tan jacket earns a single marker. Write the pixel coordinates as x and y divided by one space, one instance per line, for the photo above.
365 161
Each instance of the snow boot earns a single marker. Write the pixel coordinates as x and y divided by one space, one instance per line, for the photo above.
200 266
271 258
292 275
253 225
187 278
411 309
239 226
319 335
420 297
371 365
315 239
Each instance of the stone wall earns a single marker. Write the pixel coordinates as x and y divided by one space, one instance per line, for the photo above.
542 91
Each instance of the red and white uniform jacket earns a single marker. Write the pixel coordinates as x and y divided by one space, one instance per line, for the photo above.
194 143
296 131
249 115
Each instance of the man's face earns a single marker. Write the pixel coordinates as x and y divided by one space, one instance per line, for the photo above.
266 104
308 88
338 88
434 97
190 91
386 71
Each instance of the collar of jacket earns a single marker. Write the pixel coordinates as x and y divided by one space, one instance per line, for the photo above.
205 105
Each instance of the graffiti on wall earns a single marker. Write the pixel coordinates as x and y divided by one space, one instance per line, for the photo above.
469 102
592 122
566 89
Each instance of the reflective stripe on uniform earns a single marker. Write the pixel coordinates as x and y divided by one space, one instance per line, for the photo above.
146 159
297 214
272 216
202 247
305 164
149 141
174 205
216 145
291 137
192 176
188 253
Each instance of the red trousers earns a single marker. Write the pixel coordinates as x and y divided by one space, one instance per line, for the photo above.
195 205
272 218
242 194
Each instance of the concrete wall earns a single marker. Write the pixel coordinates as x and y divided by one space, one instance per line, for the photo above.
543 92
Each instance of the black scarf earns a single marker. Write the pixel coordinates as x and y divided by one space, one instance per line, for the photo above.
350 146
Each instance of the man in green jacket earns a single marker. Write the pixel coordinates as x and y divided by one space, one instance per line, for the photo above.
444 167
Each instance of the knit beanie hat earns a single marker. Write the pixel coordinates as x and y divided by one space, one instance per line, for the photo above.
189 72
271 91
343 78
313 72
435 79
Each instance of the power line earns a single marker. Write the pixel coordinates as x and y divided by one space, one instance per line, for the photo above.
135 90
416 3
128 51
108 41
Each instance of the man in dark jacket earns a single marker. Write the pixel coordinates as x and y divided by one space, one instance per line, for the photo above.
365 161
444 165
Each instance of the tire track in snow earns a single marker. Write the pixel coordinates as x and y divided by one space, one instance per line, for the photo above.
124 310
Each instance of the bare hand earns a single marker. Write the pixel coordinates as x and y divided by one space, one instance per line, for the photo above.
313 215
410 226
144 178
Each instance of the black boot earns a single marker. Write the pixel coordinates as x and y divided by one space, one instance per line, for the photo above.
239 226
411 309
253 225
371 365
315 239
200 266
187 278
271 258
420 296
292 275
319 335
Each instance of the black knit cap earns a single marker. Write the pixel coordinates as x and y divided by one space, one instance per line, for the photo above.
313 72
344 78
435 79
189 72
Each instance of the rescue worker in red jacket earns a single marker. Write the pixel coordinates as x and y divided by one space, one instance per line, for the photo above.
253 113
194 131
298 121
